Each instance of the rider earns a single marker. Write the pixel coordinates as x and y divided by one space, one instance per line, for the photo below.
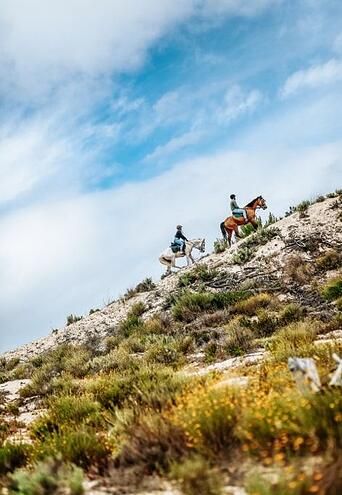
180 238
235 207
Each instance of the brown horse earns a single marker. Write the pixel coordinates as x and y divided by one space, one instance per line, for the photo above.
231 224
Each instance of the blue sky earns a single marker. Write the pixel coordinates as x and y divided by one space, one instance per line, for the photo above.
119 121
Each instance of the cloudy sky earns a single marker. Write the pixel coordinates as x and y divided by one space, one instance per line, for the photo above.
121 119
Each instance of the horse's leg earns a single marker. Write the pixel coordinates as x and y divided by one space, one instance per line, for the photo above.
236 231
229 239
223 230
255 224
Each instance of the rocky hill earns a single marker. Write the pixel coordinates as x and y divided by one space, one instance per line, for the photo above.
258 261
182 386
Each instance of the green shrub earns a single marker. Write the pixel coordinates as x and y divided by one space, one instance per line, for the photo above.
13 456
73 319
270 220
252 304
290 313
332 289
211 351
339 303
64 359
130 325
83 447
116 360
303 207
296 339
239 340
246 230
220 246
190 304
153 443
159 324
265 324
164 351
262 236
137 309
145 286
201 273
329 260
195 477
149 385
112 342
48 478
67 409
242 255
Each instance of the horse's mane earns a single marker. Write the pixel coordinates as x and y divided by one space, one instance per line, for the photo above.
252 202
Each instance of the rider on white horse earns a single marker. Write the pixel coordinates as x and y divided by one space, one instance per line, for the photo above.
180 238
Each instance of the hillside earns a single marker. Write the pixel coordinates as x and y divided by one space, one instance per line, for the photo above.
182 386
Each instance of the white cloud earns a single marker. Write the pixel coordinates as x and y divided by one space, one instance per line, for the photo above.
53 40
237 102
175 144
28 158
318 75
204 118
43 44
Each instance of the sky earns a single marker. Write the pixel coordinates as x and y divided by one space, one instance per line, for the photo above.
119 120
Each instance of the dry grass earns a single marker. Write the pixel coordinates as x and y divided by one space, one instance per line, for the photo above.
298 270
296 339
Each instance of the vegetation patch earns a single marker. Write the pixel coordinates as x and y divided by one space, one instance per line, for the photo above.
332 289
13 456
202 273
298 270
191 304
145 285
252 304
196 477
295 339
329 260
47 478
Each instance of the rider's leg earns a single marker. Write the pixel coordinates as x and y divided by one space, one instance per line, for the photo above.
241 211
183 245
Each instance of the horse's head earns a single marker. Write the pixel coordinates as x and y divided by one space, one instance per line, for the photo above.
261 203
199 244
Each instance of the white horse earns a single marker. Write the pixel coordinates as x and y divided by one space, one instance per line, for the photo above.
168 257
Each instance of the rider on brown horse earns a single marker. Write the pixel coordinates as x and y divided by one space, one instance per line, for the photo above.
231 224
236 210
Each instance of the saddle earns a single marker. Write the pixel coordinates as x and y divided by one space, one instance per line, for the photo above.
175 247
238 215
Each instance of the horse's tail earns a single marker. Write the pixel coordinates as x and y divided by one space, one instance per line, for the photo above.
223 230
